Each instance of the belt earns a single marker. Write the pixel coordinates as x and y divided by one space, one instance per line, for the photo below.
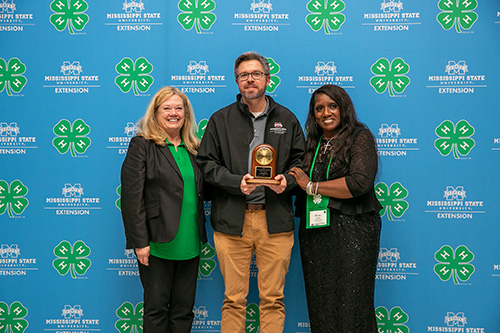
255 206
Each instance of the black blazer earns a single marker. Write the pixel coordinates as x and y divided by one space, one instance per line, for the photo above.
151 194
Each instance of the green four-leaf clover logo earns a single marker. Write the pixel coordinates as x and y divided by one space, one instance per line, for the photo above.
202 125
118 201
69 13
457 12
252 322
130 318
392 199
454 263
456 138
274 80
390 76
325 13
207 264
72 258
391 322
13 320
71 137
12 198
11 78
134 75
196 13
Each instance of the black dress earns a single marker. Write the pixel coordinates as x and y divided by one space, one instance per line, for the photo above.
339 262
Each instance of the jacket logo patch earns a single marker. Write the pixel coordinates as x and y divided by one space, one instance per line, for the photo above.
278 128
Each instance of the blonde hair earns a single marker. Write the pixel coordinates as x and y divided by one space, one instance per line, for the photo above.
149 128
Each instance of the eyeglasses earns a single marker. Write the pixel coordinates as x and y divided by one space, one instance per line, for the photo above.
255 75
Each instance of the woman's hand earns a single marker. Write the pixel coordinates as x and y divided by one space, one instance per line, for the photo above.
300 177
142 254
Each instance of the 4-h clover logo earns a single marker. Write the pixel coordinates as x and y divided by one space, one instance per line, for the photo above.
72 258
118 201
134 75
391 322
12 198
458 13
252 322
207 264
69 13
274 80
196 13
327 13
390 76
11 77
392 199
456 138
202 125
71 137
13 320
130 318
454 264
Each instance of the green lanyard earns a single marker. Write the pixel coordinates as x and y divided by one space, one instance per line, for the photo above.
317 212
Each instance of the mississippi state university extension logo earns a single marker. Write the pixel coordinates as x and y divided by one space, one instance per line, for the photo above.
130 318
11 143
12 319
457 13
11 262
203 322
198 80
11 20
274 80
455 206
390 142
389 266
458 79
120 143
69 13
325 72
11 78
454 264
124 266
260 17
72 316
12 197
133 17
393 321
391 17
390 76
70 80
72 258
72 137
196 13
392 199
455 322
207 263
456 138
134 75
325 13
73 201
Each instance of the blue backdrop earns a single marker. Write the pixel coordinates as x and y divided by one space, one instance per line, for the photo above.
76 75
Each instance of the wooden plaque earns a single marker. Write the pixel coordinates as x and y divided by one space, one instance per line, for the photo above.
263 165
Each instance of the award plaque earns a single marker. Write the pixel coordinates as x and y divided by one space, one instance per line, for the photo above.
263 165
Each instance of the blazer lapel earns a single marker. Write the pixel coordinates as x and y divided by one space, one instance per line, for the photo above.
165 151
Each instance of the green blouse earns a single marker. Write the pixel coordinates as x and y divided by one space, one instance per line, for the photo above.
186 244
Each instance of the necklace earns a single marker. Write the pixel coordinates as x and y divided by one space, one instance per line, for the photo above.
327 144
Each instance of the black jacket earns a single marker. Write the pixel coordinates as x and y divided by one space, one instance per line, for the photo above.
223 157
151 195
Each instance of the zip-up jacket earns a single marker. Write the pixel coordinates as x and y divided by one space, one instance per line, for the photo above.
223 158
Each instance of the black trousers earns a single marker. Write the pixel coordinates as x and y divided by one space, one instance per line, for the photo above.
169 293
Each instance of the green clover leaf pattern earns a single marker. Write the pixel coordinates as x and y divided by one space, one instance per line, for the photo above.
12 198
252 322
393 322
392 199
13 320
72 258
196 13
11 78
207 264
69 13
202 125
130 319
458 13
72 137
456 138
454 263
118 201
390 76
325 13
134 75
274 80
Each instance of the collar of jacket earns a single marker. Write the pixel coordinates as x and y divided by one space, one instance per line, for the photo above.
244 108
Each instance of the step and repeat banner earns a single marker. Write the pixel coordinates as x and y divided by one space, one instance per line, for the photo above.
76 75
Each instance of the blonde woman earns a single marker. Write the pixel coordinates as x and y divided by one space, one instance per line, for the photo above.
162 210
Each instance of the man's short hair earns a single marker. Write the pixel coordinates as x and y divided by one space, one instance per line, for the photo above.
251 55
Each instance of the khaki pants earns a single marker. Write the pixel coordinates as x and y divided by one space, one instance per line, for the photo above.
272 252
